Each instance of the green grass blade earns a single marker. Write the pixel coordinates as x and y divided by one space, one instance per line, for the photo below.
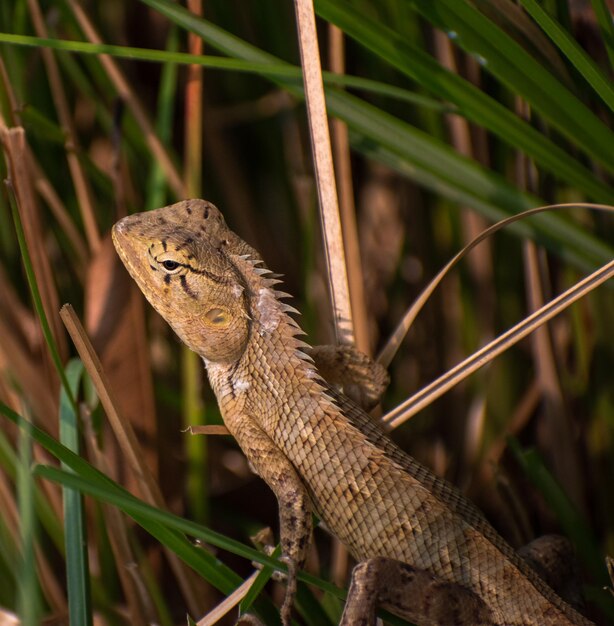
170 58
436 165
85 471
568 46
389 91
217 37
159 523
573 523
492 190
196 448
310 608
432 160
44 511
540 148
144 514
471 102
77 564
42 127
418 150
523 75
168 529
29 594
604 19
105 490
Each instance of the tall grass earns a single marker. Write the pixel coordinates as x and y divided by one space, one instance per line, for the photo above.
456 113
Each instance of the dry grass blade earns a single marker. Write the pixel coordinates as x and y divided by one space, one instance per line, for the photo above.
396 339
566 463
54 202
229 602
7 394
17 361
15 147
126 438
343 166
115 321
80 181
325 176
123 430
127 93
193 112
562 450
470 141
41 182
10 95
8 619
520 417
431 392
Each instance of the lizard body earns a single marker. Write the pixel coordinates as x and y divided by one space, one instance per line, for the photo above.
317 448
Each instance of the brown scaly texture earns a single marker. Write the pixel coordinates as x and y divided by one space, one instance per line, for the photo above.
426 552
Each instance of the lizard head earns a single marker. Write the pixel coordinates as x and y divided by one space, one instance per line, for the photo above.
179 257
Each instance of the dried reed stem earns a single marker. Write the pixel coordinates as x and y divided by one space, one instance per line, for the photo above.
325 176
16 150
127 440
343 166
127 93
564 455
80 181
216 614
437 388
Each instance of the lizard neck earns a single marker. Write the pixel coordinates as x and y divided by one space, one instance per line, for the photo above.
273 372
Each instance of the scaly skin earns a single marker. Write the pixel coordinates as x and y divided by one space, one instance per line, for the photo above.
436 558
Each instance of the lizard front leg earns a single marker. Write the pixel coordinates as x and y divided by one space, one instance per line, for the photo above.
269 462
352 372
411 593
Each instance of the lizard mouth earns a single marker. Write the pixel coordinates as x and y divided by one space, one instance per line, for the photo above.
118 235
124 243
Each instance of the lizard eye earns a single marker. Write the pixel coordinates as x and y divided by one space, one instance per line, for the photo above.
169 265
217 317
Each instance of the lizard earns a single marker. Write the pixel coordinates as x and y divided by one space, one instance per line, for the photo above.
423 550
